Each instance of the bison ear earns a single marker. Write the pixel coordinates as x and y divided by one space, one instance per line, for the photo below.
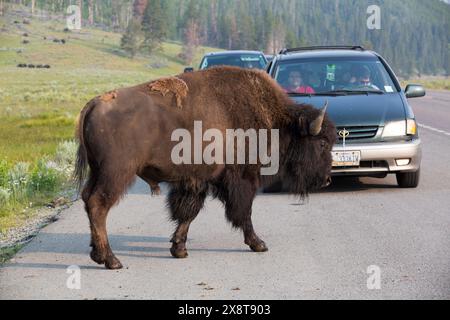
316 126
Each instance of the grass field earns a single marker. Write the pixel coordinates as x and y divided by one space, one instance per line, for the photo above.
430 83
38 107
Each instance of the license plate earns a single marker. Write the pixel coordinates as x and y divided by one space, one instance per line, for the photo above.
346 158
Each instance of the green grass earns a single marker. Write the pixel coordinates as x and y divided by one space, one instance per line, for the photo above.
430 83
38 107
8 253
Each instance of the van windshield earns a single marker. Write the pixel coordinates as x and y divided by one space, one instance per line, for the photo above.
250 61
322 76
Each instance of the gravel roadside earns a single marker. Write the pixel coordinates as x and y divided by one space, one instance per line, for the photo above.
14 239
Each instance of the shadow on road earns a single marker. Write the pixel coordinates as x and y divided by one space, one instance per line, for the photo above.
123 245
340 184
352 184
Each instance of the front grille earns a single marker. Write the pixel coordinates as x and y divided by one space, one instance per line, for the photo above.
354 133
374 164
371 164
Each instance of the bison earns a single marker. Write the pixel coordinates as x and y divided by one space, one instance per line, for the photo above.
128 132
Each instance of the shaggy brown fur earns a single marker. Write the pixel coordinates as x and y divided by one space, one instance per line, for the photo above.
131 135
172 85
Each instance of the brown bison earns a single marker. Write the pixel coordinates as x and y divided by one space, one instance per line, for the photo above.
128 132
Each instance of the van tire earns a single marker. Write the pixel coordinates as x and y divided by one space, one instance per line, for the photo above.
408 179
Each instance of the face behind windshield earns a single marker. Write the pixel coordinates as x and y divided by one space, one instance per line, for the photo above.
249 61
322 76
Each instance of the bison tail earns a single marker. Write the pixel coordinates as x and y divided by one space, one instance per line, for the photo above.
81 165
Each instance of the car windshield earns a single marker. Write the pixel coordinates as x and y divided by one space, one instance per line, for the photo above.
250 61
334 76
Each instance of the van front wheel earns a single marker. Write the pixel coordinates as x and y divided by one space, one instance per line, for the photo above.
408 179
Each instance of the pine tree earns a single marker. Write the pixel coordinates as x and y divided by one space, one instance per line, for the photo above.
154 25
191 34
132 39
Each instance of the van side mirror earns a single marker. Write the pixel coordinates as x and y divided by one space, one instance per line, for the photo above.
188 69
414 91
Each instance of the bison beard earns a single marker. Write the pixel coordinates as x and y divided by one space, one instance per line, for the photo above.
127 132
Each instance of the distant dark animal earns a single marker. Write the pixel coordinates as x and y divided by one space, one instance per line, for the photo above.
25 41
16 22
127 132
56 40
25 35
25 21
63 41
39 66
46 66
22 65
32 66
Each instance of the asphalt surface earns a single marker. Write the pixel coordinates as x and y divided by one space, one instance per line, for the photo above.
320 249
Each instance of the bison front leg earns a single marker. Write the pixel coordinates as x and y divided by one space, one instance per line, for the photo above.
184 204
238 209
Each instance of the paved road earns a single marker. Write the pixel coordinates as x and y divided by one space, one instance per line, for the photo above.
318 249
433 111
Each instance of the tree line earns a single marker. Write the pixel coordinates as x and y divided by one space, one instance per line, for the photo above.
414 34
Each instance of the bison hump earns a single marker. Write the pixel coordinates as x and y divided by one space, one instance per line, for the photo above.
172 85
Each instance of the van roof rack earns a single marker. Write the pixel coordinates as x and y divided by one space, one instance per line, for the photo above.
285 51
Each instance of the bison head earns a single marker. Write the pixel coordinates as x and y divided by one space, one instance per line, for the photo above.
308 143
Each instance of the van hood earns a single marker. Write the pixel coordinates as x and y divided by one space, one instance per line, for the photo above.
359 110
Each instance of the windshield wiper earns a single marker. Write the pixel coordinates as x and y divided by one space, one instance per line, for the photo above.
330 93
336 93
300 94
348 92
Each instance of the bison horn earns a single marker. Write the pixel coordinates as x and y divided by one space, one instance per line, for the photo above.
316 125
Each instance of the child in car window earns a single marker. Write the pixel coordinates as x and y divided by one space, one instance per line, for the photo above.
295 84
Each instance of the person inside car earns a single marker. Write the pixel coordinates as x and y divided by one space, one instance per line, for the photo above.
361 78
295 84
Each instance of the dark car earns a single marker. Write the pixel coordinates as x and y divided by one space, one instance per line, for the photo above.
376 127
237 58
269 57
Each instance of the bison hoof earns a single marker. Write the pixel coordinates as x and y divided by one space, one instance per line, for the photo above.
113 263
110 262
259 247
179 253
97 257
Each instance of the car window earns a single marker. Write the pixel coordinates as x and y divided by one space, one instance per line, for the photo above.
250 61
321 76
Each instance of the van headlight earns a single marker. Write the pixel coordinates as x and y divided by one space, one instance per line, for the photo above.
411 127
395 129
400 128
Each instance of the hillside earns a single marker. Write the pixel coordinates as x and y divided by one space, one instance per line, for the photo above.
413 35
38 106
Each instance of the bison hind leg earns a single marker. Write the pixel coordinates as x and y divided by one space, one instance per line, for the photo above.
102 192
